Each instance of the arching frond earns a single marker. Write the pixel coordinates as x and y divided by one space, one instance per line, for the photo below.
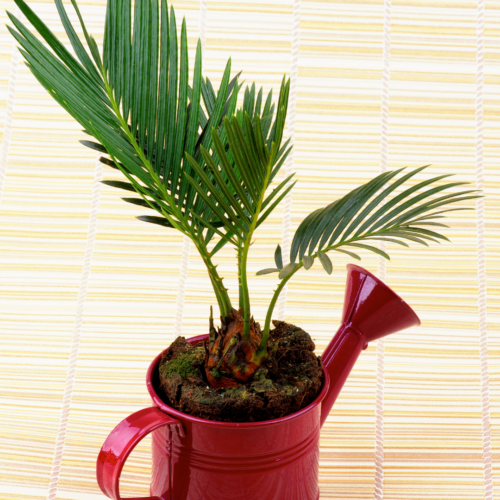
369 213
239 172
137 101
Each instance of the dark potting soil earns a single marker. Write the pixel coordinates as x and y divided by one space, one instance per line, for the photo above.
287 381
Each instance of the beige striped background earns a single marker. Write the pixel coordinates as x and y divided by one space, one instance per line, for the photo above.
88 294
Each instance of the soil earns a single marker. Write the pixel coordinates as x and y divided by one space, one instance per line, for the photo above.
287 381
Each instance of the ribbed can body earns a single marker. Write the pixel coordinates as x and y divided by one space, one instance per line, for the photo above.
197 459
237 464
273 460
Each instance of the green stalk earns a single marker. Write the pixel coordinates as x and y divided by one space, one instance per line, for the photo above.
240 288
245 300
244 294
262 349
116 108
219 290
212 332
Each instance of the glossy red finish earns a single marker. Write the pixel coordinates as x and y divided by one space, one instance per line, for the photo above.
343 355
196 459
276 459
122 441
371 311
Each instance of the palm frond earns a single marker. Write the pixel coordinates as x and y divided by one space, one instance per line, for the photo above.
241 168
369 213
136 102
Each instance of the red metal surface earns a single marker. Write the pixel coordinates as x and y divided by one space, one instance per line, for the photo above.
122 441
196 459
371 311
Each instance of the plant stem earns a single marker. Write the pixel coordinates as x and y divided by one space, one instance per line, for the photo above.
262 349
220 292
116 108
240 288
244 294
246 246
212 332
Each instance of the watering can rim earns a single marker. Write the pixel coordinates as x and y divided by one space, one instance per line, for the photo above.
214 423
362 270
238 425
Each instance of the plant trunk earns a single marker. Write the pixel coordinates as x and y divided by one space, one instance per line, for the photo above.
228 361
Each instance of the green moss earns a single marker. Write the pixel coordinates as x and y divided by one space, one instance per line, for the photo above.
260 374
242 392
263 385
236 392
183 365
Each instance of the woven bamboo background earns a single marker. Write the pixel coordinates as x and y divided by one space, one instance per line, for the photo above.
89 295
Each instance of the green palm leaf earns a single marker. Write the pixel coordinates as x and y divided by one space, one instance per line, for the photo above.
238 173
145 119
204 166
369 213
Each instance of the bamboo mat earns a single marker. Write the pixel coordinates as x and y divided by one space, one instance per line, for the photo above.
89 294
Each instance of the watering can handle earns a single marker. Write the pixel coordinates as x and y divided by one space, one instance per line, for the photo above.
120 443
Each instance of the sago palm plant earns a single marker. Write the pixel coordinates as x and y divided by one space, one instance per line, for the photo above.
208 167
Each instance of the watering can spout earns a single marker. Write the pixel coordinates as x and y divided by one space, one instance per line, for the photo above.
371 311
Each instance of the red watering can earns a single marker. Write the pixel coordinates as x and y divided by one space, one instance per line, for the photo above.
196 459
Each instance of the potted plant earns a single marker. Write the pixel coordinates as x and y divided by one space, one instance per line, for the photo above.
243 397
